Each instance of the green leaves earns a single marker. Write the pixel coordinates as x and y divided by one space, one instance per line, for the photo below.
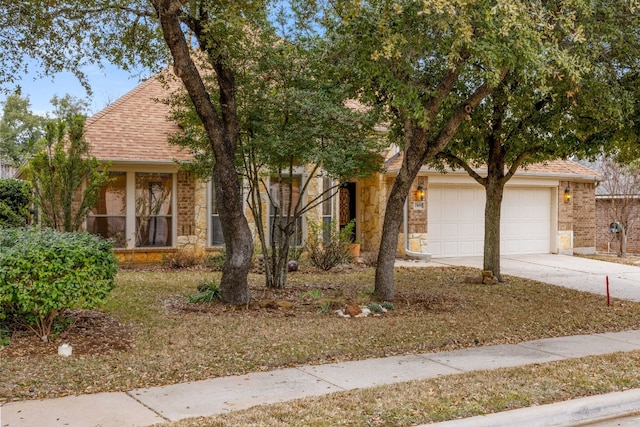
43 272
14 202
65 179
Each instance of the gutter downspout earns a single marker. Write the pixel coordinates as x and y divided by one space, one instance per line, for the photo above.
407 252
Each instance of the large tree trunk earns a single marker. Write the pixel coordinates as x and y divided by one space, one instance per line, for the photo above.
237 235
393 217
222 130
494 193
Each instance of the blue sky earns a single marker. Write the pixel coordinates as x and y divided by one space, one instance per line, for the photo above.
108 84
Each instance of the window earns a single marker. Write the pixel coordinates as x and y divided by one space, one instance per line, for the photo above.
217 239
327 208
279 214
108 218
153 209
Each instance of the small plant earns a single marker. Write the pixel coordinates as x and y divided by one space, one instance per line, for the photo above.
375 308
387 305
327 245
312 294
208 292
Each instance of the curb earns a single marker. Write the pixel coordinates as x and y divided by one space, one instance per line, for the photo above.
585 411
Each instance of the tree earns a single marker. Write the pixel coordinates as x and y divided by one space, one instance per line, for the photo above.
295 119
68 107
432 64
621 186
221 33
294 129
20 130
70 33
65 179
527 120
15 196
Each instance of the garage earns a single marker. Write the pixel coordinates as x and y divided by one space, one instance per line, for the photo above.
456 220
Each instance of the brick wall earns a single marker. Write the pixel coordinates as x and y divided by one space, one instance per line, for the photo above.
584 214
186 204
604 217
418 217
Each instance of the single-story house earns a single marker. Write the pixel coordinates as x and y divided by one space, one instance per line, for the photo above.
152 207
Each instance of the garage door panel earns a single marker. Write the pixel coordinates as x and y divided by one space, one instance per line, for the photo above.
456 221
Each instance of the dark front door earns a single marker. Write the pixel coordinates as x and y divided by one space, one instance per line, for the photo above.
348 206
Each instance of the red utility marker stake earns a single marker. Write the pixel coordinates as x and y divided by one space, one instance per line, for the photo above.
608 298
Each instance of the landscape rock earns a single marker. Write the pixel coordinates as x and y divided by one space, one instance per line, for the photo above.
352 310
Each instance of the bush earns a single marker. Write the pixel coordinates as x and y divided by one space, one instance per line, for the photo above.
335 250
44 272
14 202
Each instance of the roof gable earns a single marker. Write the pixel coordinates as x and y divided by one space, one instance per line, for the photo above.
135 128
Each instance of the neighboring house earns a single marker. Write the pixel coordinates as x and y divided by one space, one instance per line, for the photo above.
617 200
151 207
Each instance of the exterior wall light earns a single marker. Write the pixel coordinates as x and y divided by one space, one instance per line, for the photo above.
567 195
419 193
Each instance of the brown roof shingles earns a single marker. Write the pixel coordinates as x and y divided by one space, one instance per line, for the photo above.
551 168
135 128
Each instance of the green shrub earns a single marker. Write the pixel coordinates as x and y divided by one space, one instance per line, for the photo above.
14 202
44 272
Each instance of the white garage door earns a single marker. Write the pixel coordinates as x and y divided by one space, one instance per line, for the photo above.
456 221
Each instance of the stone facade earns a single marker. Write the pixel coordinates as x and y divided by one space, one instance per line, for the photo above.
575 227
373 196
577 218
192 214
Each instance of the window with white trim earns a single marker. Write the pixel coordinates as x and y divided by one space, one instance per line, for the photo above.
108 218
153 196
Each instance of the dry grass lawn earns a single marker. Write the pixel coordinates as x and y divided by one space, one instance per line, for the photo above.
148 334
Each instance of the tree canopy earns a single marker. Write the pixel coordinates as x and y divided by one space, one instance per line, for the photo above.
295 127
20 130
61 171
433 63
527 120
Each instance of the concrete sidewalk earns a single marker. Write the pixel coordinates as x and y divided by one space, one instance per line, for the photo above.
145 407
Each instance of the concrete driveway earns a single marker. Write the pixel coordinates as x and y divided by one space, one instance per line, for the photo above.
562 270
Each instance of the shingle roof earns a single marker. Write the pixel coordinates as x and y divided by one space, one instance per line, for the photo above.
552 168
136 127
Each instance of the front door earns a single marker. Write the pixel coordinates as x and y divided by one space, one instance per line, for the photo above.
348 206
